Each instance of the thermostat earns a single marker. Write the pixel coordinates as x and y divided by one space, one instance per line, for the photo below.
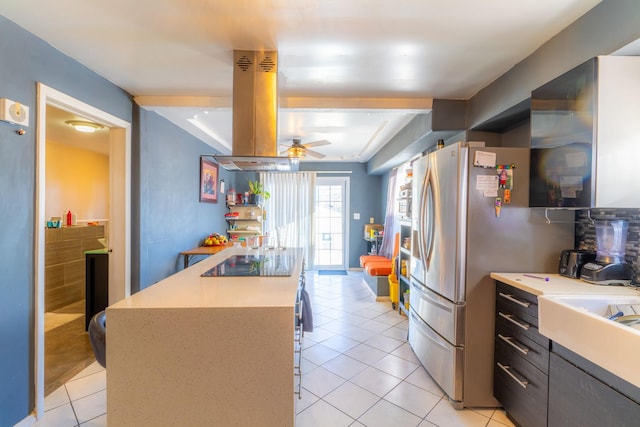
14 112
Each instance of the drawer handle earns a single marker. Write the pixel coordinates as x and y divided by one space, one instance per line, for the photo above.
524 350
516 300
509 317
505 368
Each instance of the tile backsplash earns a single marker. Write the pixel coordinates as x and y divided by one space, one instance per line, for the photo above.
586 233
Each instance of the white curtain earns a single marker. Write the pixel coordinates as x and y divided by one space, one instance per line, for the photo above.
390 222
289 210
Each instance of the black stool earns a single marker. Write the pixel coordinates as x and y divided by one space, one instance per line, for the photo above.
97 336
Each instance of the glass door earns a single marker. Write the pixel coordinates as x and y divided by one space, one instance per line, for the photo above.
331 228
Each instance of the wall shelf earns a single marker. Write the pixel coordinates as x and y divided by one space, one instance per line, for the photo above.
404 258
248 216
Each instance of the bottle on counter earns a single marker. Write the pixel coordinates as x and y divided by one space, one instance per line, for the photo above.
231 197
69 218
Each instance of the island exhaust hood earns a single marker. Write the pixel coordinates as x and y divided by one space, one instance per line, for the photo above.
255 115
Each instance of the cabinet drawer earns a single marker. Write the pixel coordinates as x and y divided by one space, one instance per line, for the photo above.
515 301
521 346
520 387
508 310
507 324
442 360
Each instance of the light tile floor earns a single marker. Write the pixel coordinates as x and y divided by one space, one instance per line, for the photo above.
358 370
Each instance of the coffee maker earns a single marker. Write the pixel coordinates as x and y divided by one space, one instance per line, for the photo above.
609 267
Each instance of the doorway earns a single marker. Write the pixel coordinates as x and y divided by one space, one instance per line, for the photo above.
331 230
118 235
77 180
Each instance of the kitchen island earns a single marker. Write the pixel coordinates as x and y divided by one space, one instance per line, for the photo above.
194 350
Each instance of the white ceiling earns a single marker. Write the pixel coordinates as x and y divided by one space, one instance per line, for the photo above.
58 131
352 72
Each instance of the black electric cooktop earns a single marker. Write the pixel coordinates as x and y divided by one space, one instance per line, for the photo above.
264 265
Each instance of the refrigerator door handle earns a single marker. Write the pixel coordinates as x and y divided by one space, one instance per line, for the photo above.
429 299
421 213
437 342
428 212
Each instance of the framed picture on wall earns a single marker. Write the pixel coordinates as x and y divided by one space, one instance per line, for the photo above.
208 181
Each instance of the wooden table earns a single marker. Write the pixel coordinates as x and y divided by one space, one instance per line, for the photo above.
203 250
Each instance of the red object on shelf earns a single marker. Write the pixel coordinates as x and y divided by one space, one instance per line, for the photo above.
68 218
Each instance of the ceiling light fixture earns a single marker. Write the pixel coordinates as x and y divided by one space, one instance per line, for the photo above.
295 152
82 126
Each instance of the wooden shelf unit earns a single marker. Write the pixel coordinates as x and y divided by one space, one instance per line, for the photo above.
249 222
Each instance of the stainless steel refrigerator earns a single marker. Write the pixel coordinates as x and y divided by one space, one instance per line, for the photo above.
458 239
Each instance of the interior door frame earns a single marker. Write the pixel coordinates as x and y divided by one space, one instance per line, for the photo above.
345 181
119 212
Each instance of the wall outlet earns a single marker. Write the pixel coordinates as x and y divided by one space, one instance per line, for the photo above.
356 216
371 220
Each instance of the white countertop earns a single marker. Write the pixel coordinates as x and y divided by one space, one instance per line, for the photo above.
188 289
559 285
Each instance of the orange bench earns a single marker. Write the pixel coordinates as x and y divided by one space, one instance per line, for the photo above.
377 269
375 265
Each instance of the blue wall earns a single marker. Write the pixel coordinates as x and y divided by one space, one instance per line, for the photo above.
25 61
167 214
170 217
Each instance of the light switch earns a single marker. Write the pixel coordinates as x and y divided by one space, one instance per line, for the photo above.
356 215
371 220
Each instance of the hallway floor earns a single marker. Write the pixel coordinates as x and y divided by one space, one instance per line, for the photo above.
358 371
67 347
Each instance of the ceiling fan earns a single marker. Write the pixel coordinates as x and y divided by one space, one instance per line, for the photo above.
299 150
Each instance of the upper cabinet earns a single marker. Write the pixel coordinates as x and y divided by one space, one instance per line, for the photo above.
585 141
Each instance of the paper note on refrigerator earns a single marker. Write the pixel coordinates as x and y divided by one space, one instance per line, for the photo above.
484 159
488 184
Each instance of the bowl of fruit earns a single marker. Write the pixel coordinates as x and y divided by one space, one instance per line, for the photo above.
214 239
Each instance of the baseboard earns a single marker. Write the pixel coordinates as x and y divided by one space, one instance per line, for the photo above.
28 421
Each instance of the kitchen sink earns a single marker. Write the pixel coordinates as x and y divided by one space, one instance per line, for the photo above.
580 323
601 305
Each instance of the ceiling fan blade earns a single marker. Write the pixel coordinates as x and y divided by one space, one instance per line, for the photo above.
317 143
315 154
